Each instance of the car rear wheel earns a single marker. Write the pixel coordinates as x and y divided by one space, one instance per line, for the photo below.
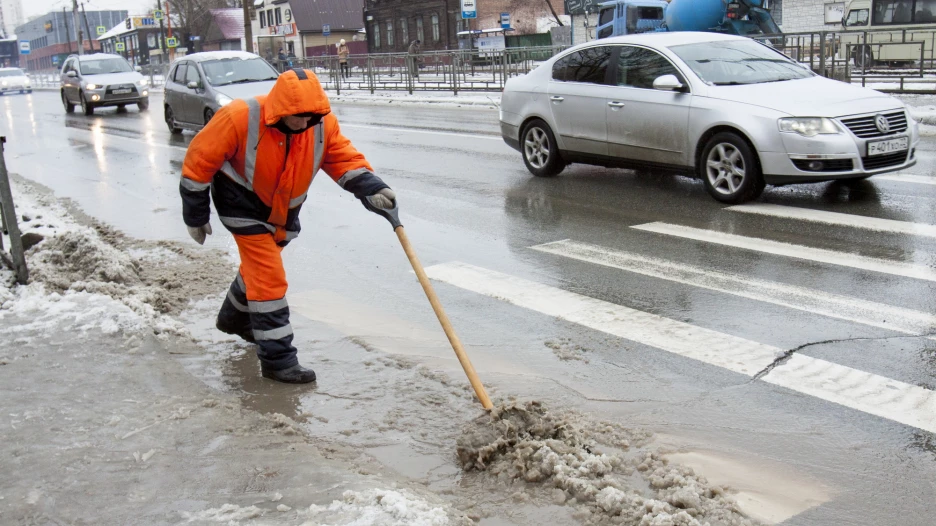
729 169
209 113
69 107
540 151
170 122
143 104
86 107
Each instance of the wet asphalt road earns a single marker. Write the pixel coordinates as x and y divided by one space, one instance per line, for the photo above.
467 198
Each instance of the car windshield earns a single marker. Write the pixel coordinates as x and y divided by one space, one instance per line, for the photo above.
237 71
103 66
735 62
12 73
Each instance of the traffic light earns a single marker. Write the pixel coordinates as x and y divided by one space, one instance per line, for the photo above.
129 24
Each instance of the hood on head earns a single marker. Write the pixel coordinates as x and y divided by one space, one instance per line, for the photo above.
292 95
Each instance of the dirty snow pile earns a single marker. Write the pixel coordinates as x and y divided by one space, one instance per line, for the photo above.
121 284
373 507
601 469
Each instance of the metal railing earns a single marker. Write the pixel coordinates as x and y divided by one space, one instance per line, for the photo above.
455 71
16 259
52 78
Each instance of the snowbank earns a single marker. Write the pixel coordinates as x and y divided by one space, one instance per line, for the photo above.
133 284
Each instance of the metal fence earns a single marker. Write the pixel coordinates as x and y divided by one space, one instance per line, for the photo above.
16 259
849 56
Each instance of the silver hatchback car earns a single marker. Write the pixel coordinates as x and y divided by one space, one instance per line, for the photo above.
727 109
101 79
200 83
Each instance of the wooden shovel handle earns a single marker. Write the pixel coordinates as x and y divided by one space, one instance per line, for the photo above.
443 319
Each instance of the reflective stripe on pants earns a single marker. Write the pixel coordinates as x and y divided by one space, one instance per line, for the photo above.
265 280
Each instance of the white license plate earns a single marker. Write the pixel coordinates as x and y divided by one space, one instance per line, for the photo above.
888 146
121 91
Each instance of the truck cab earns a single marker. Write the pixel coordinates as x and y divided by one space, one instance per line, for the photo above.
627 17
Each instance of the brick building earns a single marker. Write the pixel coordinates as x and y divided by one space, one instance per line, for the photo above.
392 24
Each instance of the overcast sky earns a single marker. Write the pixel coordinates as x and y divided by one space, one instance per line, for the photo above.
33 8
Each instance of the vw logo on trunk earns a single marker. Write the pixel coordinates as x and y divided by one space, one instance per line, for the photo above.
883 125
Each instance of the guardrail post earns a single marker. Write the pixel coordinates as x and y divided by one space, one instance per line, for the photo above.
9 216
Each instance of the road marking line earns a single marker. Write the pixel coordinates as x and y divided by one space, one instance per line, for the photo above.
897 268
870 393
430 132
839 219
800 298
906 178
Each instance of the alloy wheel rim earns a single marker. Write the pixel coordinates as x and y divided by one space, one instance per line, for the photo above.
536 147
725 168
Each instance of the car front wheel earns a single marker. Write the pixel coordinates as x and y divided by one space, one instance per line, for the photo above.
143 104
69 107
540 151
209 113
729 169
86 107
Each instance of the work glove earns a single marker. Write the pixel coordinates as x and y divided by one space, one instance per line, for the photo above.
198 233
383 199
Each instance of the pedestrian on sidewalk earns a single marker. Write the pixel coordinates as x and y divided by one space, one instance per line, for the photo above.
256 158
343 52
413 58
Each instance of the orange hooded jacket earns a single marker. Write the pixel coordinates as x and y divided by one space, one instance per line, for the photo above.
284 164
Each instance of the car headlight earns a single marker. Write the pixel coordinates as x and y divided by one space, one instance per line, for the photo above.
4 83
143 82
809 126
223 100
92 86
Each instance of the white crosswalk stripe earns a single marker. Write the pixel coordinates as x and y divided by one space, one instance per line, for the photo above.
873 394
906 178
801 298
820 255
835 218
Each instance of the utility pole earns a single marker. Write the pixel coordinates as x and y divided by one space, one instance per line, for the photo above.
87 27
162 35
169 23
248 28
67 32
77 27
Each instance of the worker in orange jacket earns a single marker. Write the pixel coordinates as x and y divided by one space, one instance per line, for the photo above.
257 158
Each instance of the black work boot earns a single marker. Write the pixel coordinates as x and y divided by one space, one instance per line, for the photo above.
296 374
224 325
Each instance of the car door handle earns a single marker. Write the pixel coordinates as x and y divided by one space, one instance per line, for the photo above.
556 98
616 104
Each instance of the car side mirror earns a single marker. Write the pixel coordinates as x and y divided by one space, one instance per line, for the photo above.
192 85
138 69
667 83
71 74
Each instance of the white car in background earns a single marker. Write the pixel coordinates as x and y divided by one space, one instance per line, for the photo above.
726 109
14 79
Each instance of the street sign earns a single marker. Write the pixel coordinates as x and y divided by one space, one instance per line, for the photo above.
172 42
194 37
101 30
505 20
326 29
24 47
157 15
119 46
469 9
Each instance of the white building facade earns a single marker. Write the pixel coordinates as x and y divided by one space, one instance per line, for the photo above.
11 15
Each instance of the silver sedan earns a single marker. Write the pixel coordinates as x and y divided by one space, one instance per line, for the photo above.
727 109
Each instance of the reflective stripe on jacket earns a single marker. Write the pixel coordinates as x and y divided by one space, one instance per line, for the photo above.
261 175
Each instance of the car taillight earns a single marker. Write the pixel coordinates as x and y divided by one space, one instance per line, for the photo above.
732 11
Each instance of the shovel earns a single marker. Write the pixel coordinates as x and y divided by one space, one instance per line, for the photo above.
393 215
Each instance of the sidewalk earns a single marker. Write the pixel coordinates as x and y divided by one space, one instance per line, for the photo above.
103 425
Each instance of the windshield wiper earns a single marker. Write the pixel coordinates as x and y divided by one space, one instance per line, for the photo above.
730 83
243 81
